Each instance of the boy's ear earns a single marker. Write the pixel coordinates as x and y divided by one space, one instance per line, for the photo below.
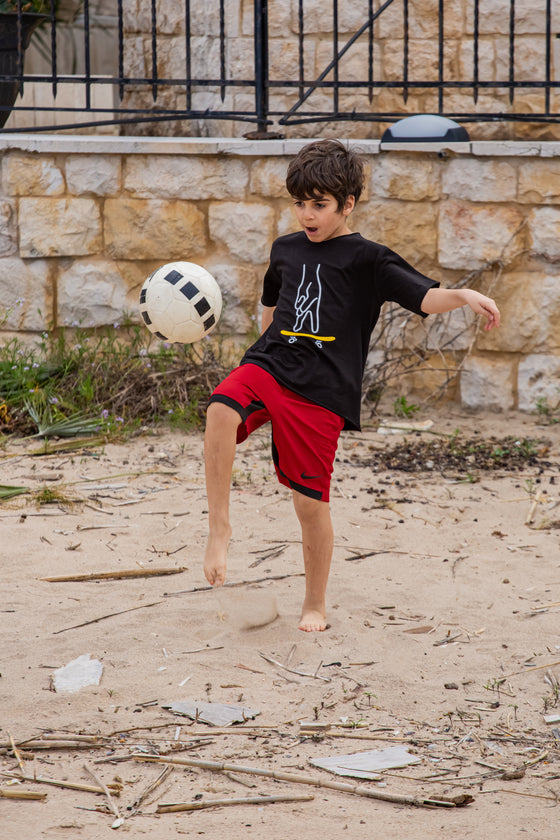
349 205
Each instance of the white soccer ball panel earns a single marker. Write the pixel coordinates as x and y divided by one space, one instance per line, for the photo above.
181 302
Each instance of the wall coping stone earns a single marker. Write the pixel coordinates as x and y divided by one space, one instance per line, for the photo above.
89 144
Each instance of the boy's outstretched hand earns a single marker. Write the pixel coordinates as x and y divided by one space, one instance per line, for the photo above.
444 300
483 305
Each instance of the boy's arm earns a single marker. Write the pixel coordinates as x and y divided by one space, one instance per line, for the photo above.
444 300
266 320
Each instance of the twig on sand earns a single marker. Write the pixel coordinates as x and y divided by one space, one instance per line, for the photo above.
458 800
119 820
109 615
232 584
218 803
21 794
123 573
314 676
150 789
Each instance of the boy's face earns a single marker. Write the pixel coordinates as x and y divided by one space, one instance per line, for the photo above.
320 217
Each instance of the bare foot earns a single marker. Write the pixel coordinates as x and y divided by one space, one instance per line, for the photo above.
215 558
312 621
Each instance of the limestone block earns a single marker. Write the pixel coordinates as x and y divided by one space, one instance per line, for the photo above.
529 17
353 65
268 178
59 227
544 229
487 383
423 60
405 177
538 379
246 229
529 304
287 222
8 232
24 174
96 174
401 226
241 288
140 229
539 181
424 21
91 293
191 178
479 180
471 236
25 291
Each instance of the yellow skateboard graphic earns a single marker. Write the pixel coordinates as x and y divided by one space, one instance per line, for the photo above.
318 339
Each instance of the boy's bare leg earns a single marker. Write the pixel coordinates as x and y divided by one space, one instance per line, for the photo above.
219 453
317 540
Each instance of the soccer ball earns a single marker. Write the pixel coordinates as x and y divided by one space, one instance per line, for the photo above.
180 302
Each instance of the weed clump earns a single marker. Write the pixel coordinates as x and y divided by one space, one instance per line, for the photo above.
79 381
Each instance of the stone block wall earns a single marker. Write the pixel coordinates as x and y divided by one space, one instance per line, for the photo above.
388 58
84 220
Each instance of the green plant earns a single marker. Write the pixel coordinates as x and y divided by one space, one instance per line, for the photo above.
41 7
403 408
548 413
76 381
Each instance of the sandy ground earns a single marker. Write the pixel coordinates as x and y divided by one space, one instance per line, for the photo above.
444 607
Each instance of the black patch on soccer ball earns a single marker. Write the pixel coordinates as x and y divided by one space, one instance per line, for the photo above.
209 323
146 317
162 336
202 306
173 277
189 290
143 296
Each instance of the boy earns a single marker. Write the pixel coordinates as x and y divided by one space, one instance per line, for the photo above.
322 295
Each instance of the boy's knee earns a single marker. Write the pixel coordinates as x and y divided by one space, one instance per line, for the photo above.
220 414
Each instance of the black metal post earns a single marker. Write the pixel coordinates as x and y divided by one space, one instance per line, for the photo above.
261 64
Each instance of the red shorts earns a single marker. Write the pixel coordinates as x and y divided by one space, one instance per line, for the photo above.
304 435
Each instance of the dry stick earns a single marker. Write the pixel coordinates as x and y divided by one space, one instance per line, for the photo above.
109 615
107 793
293 670
150 789
218 803
69 785
21 794
530 670
16 753
452 802
124 573
233 584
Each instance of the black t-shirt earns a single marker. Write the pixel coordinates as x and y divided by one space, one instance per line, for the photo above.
328 296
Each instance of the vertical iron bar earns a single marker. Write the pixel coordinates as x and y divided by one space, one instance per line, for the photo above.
301 48
121 49
511 50
54 68
371 75
188 54
222 51
475 52
548 57
87 57
154 52
335 56
405 51
441 74
19 49
260 35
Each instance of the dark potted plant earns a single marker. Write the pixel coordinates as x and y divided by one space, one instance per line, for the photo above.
18 20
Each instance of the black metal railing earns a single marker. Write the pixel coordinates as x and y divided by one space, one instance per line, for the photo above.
212 65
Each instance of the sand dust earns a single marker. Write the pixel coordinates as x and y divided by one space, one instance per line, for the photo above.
444 612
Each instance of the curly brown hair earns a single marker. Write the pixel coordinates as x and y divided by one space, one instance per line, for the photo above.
325 166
